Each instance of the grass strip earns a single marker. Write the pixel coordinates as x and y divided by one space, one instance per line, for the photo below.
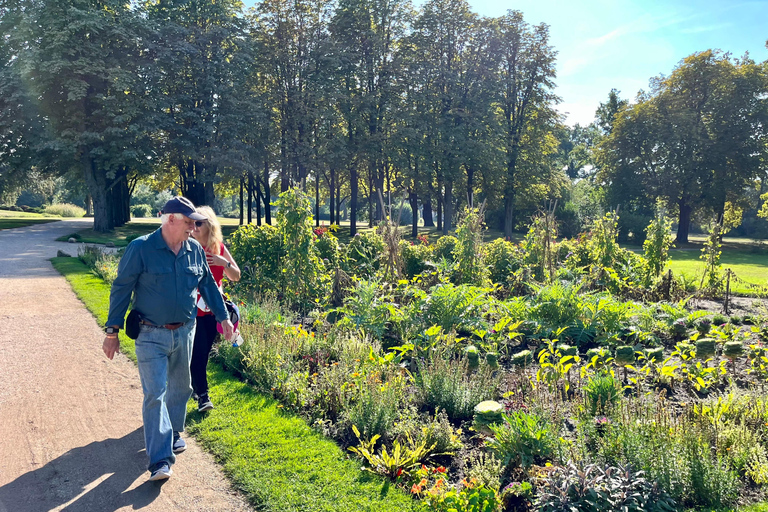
279 461
21 223
275 458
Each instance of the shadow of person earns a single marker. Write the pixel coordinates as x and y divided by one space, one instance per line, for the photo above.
97 476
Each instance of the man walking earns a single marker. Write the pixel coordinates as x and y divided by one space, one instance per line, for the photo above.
163 271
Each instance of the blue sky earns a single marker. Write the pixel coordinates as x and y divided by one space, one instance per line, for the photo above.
604 44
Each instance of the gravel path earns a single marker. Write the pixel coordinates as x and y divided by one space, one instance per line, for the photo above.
70 420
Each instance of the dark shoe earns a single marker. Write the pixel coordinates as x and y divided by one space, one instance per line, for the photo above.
204 403
178 443
161 472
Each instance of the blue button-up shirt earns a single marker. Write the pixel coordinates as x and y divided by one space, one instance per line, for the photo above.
164 284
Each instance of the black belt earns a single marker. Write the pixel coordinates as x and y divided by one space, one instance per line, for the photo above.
170 327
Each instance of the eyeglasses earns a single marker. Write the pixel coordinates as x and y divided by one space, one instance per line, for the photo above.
199 223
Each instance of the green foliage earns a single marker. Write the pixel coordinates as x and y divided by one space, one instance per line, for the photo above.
376 401
602 245
303 276
141 210
102 263
367 310
444 248
539 245
523 439
64 210
710 255
455 307
472 497
601 393
657 243
503 259
403 459
259 251
447 385
364 253
468 250
415 257
329 250
595 489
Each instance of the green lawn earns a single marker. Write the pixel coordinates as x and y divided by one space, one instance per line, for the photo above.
10 220
275 458
749 265
20 223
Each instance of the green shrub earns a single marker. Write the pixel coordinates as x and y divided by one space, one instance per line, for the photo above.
101 262
719 319
376 403
329 250
259 252
303 275
65 210
503 259
601 393
523 439
444 248
365 309
468 250
364 253
446 384
415 257
141 210
455 307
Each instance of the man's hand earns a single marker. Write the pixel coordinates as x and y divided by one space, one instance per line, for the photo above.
111 346
228 329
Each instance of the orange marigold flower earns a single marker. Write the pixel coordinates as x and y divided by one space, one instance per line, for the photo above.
415 489
440 469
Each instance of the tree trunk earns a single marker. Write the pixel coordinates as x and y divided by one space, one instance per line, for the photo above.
470 187
684 222
448 207
413 199
426 204
331 202
317 199
97 185
258 201
209 195
267 194
88 205
353 188
250 197
242 183
439 212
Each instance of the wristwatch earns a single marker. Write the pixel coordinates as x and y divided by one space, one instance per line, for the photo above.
229 264
112 330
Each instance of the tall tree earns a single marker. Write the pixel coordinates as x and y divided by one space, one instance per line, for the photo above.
525 79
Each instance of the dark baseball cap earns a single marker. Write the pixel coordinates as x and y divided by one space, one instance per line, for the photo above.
183 206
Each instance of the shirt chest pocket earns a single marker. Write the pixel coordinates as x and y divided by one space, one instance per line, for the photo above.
160 275
193 275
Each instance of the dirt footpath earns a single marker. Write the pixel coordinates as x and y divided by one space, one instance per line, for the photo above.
70 420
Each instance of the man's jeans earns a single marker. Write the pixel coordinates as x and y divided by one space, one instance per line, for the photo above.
164 357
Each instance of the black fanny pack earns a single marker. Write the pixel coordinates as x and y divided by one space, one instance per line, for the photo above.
133 324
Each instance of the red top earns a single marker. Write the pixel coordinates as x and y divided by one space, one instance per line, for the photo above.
218 274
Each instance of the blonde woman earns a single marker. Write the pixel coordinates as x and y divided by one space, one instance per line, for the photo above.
208 233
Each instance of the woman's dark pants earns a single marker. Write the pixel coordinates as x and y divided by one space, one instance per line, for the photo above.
205 334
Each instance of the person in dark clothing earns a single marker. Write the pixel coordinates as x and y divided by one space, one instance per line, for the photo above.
221 262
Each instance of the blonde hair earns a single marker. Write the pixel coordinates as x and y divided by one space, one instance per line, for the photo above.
215 238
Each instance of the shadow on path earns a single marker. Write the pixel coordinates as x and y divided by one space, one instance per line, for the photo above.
94 477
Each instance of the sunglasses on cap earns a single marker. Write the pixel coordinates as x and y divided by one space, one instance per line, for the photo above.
199 223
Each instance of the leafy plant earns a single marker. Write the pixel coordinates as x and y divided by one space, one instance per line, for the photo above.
593 488
467 252
602 392
402 459
522 439
446 384
658 240
555 367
